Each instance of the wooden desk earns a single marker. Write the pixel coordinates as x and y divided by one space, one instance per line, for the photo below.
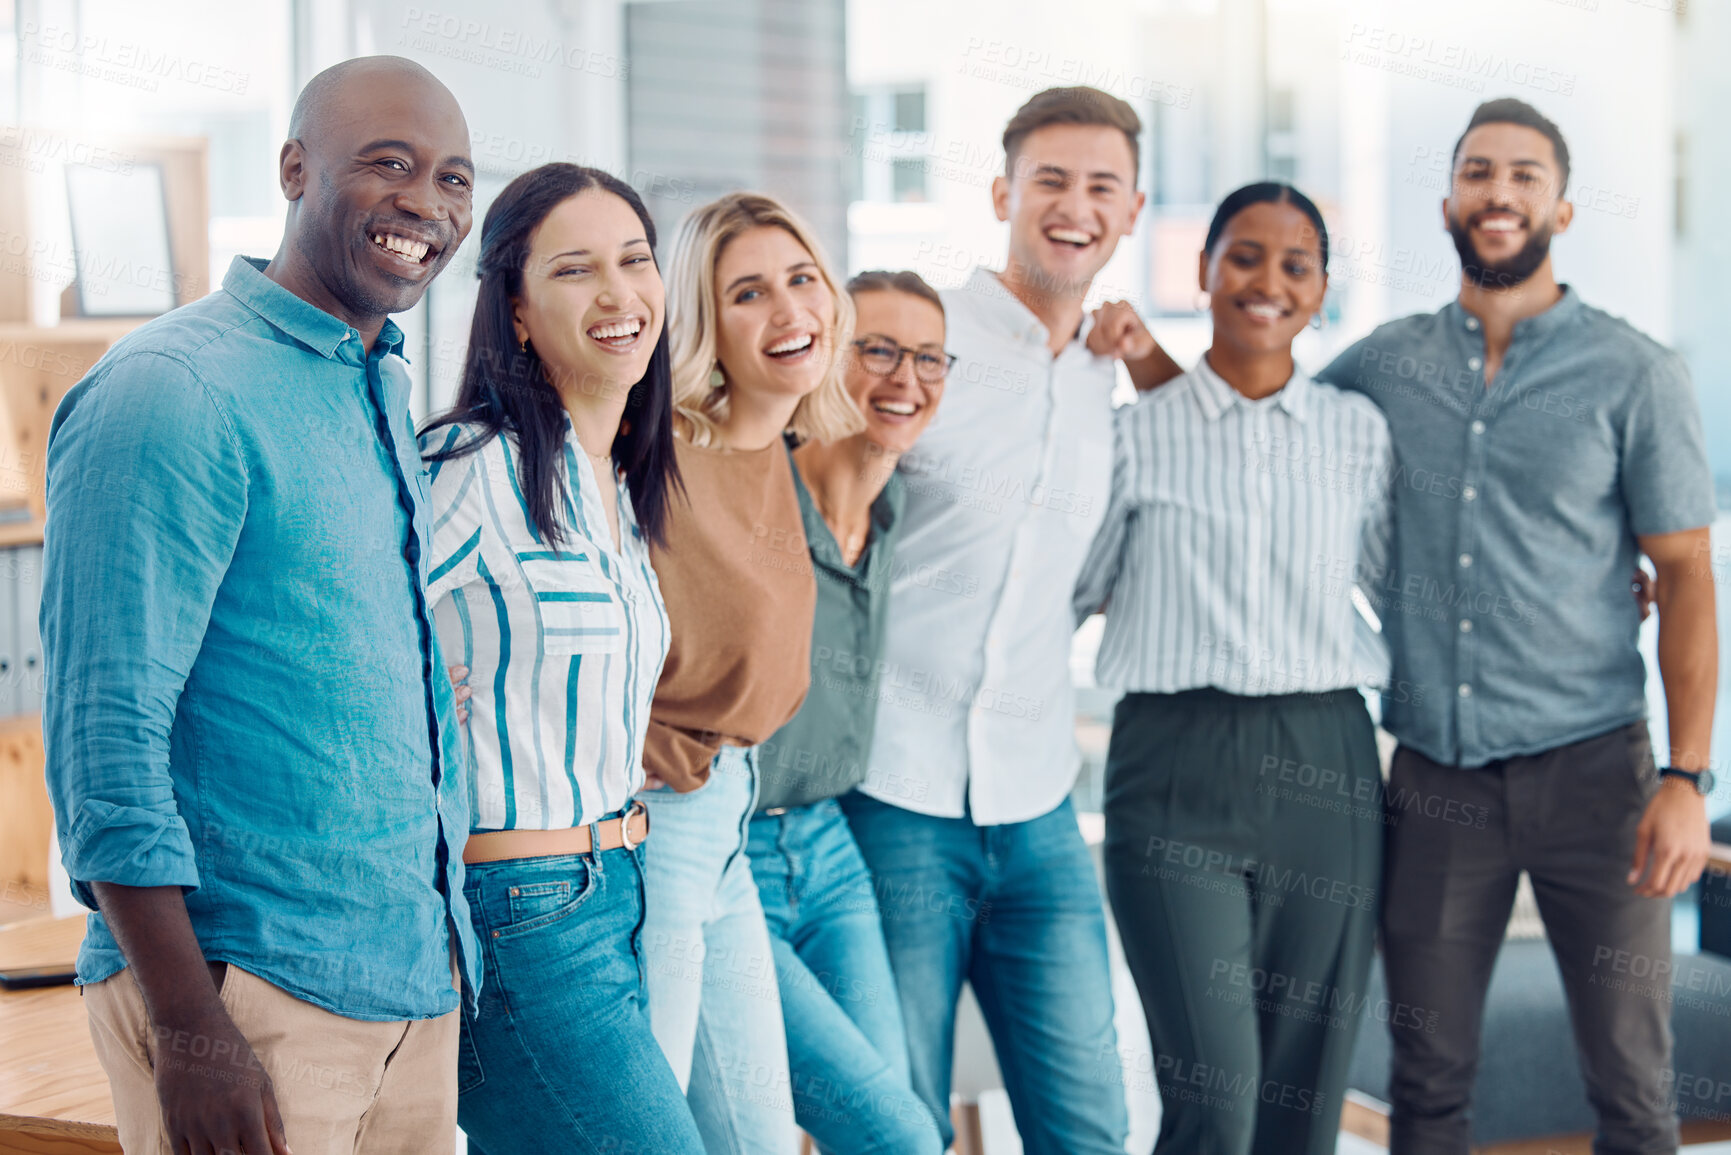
54 1096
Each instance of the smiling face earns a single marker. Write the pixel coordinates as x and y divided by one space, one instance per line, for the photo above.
1505 203
1070 196
383 190
775 315
592 302
1264 278
897 408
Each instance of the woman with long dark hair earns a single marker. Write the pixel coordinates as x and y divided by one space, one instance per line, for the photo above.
1243 792
551 476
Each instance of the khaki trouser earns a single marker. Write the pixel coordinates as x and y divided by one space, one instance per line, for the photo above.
342 1085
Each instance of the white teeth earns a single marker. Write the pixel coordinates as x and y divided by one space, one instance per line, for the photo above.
790 344
899 408
1500 225
629 327
402 246
1270 312
1069 236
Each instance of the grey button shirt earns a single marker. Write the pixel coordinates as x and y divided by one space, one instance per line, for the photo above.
1506 603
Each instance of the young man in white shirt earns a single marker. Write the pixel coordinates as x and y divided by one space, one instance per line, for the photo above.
965 819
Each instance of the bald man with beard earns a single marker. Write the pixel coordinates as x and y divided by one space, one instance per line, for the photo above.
251 741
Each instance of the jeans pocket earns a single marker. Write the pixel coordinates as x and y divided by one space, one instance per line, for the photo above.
469 1073
545 895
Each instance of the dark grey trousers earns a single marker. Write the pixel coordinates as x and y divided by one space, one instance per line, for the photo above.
1458 841
1243 850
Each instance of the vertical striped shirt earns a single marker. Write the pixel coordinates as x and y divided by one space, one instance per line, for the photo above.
564 647
1234 536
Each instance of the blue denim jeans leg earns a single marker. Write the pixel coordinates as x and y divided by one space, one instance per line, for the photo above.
713 999
1016 911
845 1040
561 1057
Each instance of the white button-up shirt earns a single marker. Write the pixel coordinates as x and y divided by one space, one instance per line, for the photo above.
1005 490
1235 534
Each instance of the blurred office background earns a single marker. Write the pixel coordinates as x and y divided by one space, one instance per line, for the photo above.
880 119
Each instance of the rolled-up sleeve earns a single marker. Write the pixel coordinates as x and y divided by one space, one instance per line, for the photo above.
146 496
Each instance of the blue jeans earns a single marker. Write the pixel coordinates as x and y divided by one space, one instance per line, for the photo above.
713 999
1016 911
561 1057
845 1040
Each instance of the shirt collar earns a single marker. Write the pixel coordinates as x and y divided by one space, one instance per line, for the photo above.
1005 312
886 510
305 322
1216 396
1567 308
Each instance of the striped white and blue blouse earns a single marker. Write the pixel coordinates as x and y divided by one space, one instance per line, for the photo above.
1234 536
564 647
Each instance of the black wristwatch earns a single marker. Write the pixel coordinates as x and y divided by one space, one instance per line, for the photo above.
1702 780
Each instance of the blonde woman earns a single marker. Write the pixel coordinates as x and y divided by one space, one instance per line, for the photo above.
759 324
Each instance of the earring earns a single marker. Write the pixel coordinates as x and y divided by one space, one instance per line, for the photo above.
1202 302
1318 322
716 378
523 345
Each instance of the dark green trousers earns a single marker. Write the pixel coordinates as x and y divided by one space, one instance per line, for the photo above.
1243 855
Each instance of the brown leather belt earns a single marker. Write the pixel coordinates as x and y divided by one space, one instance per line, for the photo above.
494 845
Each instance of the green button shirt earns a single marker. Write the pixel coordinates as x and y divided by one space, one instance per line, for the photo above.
825 750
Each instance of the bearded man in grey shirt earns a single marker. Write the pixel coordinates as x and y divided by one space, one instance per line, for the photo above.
1541 447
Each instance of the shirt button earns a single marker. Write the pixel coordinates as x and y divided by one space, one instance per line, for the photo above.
1465 690
1466 625
1468 493
1466 560
1475 363
1478 427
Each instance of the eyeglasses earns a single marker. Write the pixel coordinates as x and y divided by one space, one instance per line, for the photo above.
882 356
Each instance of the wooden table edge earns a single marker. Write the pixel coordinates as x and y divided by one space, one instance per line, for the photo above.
64 1128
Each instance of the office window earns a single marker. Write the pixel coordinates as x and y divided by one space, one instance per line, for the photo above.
1280 142
910 111
890 144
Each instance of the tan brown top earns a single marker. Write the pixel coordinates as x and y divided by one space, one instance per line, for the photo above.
740 595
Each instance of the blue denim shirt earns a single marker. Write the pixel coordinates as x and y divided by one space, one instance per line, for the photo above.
244 693
1507 604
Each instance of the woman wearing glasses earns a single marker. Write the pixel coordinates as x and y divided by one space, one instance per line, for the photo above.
1243 794
845 1041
